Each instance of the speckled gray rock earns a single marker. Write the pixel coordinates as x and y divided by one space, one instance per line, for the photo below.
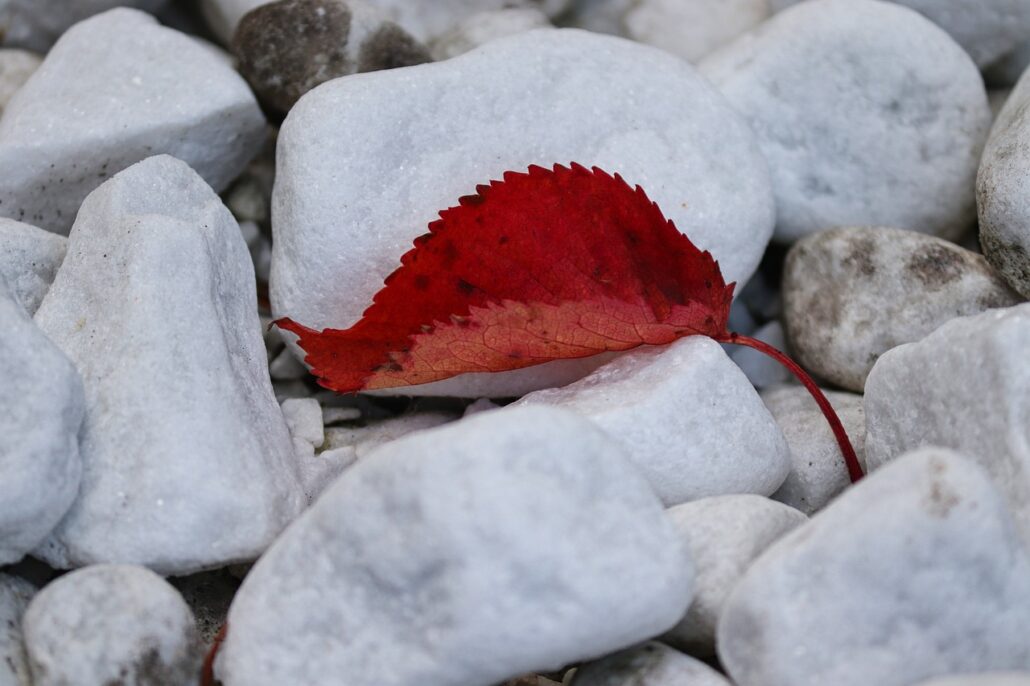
36 24
483 27
850 295
502 544
1002 189
676 137
652 664
16 66
118 88
288 47
986 29
965 386
867 112
817 471
29 258
724 536
687 417
111 624
15 595
986 679
693 29
917 571
156 305
41 409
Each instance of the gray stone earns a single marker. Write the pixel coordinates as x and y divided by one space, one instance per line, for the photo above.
868 114
652 664
29 258
676 137
15 595
966 386
111 624
693 29
37 24
817 471
288 47
483 27
1002 188
183 441
41 409
760 369
724 536
915 572
852 294
687 417
16 66
118 88
987 679
502 544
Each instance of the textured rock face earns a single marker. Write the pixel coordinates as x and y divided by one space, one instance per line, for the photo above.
502 544
677 138
868 114
157 292
917 571
852 294
288 47
1002 186
29 258
15 595
966 386
109 624
42 407
97 106
686 416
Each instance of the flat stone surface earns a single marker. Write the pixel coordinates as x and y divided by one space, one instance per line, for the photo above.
852 294
111 624
966 386
431 133
29 258
42 408
188 462
868 113
915 572
1001 190
499 545
118 88
687 417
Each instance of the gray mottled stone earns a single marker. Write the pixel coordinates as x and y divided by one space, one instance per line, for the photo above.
29 258
652 664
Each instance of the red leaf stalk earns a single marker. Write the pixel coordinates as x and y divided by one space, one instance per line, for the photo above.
207 672
850 459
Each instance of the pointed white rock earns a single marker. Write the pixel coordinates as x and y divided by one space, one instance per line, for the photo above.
188 460
505 543
118 88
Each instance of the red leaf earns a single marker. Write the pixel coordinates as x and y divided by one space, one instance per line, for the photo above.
545 265
541 266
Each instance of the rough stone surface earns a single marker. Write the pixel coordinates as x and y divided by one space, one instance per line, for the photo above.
288 47
419 153
652 664
42 407
986 29
966 386
687 417
915 572
16 66
483 27
724 536
852 294
155 304
1002 188
868 114
15 595
111 624
37 24
29 258
118 88
693 29
502 544
817 470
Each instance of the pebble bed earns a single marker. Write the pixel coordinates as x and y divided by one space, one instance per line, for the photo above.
175 174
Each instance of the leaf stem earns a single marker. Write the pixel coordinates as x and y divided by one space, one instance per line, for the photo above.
207 672
850 459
